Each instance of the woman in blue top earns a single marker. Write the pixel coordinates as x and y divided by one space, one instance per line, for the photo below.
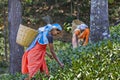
33 59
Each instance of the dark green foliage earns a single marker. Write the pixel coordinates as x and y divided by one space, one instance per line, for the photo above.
17 76
3 67
115 33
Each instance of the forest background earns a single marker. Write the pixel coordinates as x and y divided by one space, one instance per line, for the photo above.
61 11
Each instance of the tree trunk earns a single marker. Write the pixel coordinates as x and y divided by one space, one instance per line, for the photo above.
99 23
14 20
5 34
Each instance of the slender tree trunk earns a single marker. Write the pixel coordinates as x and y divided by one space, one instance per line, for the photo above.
71 8
14 19
99 23
5 34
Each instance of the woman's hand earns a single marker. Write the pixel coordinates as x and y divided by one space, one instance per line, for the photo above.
55 56
50 56
61 65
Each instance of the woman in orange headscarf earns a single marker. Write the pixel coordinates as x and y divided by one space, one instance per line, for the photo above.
33 59
80 35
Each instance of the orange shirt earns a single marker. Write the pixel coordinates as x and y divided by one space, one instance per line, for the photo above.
84 35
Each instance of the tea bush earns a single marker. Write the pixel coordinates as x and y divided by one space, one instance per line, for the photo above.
99 61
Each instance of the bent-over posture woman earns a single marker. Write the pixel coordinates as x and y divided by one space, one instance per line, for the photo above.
33 59
80 35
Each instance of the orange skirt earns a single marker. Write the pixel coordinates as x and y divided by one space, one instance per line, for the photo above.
34 60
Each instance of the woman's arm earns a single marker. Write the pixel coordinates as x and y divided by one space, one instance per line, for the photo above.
75 38
74 41
54 55
87 33
50 56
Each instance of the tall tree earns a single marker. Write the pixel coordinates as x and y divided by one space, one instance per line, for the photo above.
99 22
5 32
14 19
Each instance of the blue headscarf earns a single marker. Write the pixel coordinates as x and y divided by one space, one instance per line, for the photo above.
42 34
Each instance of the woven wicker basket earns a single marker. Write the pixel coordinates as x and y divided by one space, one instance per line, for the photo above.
75 23
25 35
